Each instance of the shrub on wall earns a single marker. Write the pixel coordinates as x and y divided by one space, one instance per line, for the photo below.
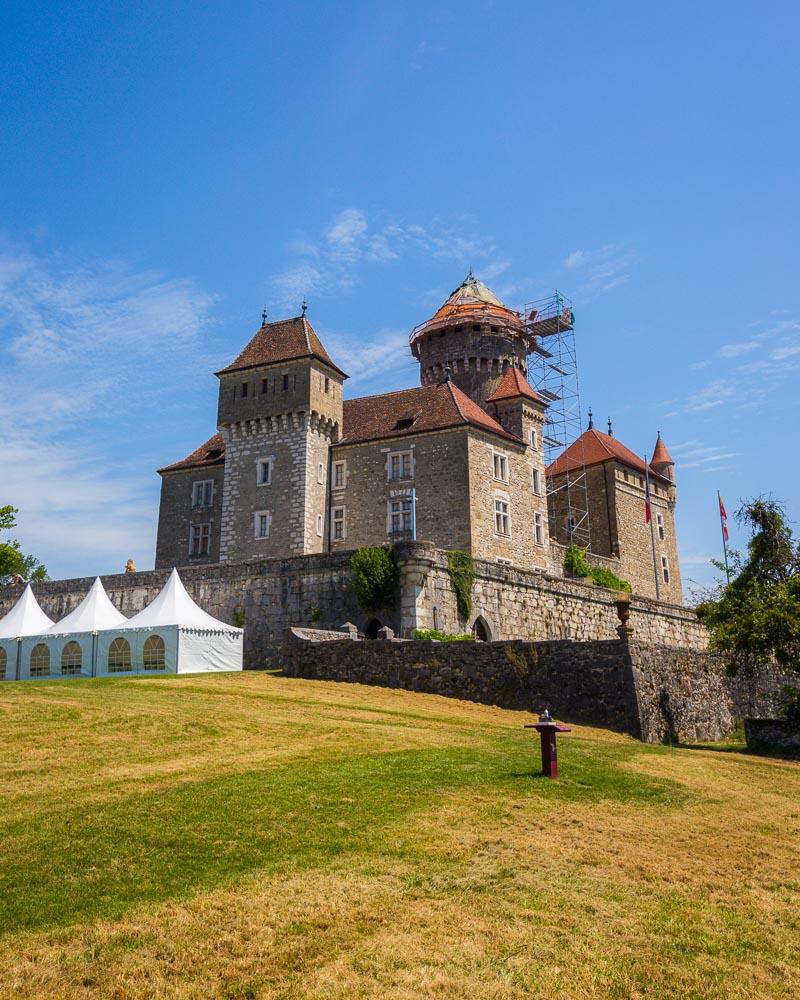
608 578
461 570
435 634
576 564
374 577
575 561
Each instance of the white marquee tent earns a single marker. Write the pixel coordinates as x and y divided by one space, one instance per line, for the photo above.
171 635
25 618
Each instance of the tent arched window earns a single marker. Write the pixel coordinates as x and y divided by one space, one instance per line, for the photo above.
40 660
153 654
3 663
71 658
119 656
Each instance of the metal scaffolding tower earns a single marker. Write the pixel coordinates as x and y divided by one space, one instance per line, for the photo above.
553 373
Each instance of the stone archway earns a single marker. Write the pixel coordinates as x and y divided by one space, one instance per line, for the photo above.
481 630
372 628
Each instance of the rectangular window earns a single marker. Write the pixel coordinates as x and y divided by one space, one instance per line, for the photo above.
203 493
534 438
285 382
660 525
264 385
665 569
264 471
327 384
319 525
400 465
502 520
200 540
500 465
261 523
538 529
337 524
244 389
537 481
320 473
400 516
338 475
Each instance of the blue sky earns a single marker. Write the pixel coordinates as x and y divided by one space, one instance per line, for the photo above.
169 169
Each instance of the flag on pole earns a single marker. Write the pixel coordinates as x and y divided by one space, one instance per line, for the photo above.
723 518
647 514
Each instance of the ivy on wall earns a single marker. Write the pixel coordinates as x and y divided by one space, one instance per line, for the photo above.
461 570
374 577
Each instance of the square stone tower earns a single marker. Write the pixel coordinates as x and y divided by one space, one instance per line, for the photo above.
280 409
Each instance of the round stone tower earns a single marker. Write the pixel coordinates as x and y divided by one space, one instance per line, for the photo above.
474 338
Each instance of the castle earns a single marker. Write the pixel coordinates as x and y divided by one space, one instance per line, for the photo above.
296 469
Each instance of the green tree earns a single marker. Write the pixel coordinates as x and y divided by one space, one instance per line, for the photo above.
757 614
13 561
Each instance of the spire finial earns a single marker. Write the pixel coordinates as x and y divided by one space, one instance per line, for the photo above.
264 316
448 374
591 420
304 306
659 436
610 431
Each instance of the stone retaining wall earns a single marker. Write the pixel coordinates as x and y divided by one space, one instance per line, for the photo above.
772 734
657 694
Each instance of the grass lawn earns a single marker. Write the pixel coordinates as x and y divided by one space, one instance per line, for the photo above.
248 836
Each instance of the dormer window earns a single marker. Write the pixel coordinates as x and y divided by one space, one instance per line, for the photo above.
404 423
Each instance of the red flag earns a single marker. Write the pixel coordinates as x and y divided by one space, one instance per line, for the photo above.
647 514
723 517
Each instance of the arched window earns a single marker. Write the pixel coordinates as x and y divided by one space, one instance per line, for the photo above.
3 663
119 656
479 631
71 658
40 660
153 653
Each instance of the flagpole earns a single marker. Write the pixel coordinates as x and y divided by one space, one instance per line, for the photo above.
652 530
724 540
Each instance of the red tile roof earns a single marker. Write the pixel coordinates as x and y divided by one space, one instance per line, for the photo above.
660 454
208 454
593 447
513 384
285 340
414 411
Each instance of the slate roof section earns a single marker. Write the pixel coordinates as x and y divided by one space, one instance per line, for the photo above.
415 411
208 454
594 447
284 340
512 385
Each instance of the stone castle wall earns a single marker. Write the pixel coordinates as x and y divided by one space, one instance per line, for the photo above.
274 594
657 694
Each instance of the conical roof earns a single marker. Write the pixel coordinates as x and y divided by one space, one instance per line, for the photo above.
514 384
660 454
173 606
25 618
95 613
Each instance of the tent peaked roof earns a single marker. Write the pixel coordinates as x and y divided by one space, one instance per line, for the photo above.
25 618
95 613
514 384
173 606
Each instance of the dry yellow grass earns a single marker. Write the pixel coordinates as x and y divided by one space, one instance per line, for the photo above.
255 837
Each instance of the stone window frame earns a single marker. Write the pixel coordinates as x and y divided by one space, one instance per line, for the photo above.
339 482
320 525
404 513
401 456
538 528
320 473
533 436
661 529
501 512
338 520
202 493
201 534
665 568
500 460
262 522
266 462
504 561
536 481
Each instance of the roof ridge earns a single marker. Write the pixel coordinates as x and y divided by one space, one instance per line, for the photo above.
455 399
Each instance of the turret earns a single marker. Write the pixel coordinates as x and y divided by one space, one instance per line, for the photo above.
662 461
476 336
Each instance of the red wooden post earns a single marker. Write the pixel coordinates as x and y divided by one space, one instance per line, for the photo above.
547 730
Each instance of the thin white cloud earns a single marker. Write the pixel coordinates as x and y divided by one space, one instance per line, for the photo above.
787 351
599 271
735 350
347 227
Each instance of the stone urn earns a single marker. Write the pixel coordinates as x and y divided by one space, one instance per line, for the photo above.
623 603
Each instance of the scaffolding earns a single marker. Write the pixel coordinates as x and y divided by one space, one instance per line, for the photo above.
553 373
